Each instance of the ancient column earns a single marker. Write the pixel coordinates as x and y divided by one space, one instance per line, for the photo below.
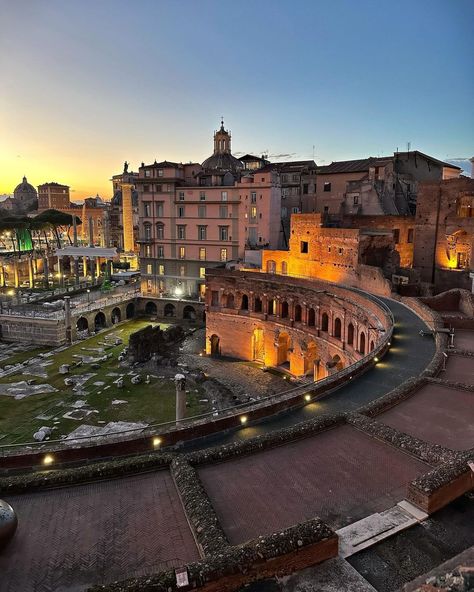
2 276
91 232
30 272
180 381
127 215
16 274
76 270
84 266
67 316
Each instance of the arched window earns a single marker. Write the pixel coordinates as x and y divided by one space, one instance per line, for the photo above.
284 267
362 343
372 346
147 230
271 307
271 266
245 302
337 328
350 334
298 312
311 317
284 310
160 231
258 304
324 322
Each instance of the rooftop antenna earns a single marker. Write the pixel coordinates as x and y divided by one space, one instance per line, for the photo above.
408 146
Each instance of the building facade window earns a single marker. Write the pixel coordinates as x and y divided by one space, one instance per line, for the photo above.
223 233
160 231
223 195
181 212
202 232
149 269
146 209
159 210
202 196
181 196
303 247
161 252
161 270
223 255
253 213
396 235
182 252
411 233
202 253
202 272
147 251
147 230
223 211
202 211
181 231
327 186
253 197
160 172
147 174
182 270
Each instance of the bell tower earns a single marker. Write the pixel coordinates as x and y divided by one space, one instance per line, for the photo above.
222 140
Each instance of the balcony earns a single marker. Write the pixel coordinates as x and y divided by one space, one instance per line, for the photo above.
145 241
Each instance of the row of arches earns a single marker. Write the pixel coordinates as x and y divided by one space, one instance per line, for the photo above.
99 321
189 312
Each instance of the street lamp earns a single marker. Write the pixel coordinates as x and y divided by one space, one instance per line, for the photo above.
88 295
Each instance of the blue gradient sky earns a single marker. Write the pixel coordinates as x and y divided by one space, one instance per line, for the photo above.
88 84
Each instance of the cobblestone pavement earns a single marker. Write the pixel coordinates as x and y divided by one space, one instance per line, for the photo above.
436 414
340 475
73 537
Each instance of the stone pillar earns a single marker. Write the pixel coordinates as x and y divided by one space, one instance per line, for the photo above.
16 274
76 270
2 276
97 267
46 270
74 230
127 215
180 381
31 277
84 266
67 316
60 271
91 232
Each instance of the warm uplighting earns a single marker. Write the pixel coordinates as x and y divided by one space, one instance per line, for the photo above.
376 359
48 459
11 292
243 419
156 442
59 276
178 291
307 398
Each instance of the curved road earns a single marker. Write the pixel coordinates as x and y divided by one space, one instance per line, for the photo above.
409 355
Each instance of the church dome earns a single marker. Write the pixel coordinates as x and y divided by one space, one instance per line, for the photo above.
224 162
25 198
24 188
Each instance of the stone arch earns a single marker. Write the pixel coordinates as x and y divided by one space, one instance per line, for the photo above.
244 305
257 305
372 345
116 315
271 266
100 322
151 308
337 363
271 306
337 328
82 324
298 313
215 345
311 317
189 313
284 309
283 344
350 334
230 301
310 356
324 322
362 343
130 311
170 310
258 345
284 268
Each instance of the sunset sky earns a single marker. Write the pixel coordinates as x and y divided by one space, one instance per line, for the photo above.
88 84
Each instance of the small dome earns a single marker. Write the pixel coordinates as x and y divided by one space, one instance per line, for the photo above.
223 161
25 187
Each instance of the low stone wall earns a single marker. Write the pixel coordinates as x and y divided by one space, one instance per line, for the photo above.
394 397
38 331
436 489
279 554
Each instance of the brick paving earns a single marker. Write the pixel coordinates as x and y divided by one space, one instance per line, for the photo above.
73 537
459 369
437 414
340 475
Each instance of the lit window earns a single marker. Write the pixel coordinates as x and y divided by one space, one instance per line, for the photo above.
223 254
149 269
202 272
161 270
147 251
253 212
147 229
202 254
182 252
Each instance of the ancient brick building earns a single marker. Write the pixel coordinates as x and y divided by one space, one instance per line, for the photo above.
344 255
304 326
444 233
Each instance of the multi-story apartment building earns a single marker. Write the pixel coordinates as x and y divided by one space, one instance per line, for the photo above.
195 216
378 186
53 196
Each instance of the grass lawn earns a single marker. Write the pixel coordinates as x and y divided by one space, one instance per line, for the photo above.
151 403
20 357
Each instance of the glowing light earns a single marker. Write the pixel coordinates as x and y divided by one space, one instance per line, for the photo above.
376 359
243 419
307 398
11 292
48 459
178 291
156 442
389 343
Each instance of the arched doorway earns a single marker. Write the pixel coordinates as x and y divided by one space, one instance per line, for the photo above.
298 313
189 313
284 309
271 307
215 348
337 328
151 308
245 302
350 334
284 267
372 346
258 304
271 266
82 324
283 345
130 311
324 322
311 317
230 301
116 315
310 357
169 310
100 321
362 343
258 345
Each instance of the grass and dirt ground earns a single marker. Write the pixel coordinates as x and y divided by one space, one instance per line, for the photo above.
148 403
